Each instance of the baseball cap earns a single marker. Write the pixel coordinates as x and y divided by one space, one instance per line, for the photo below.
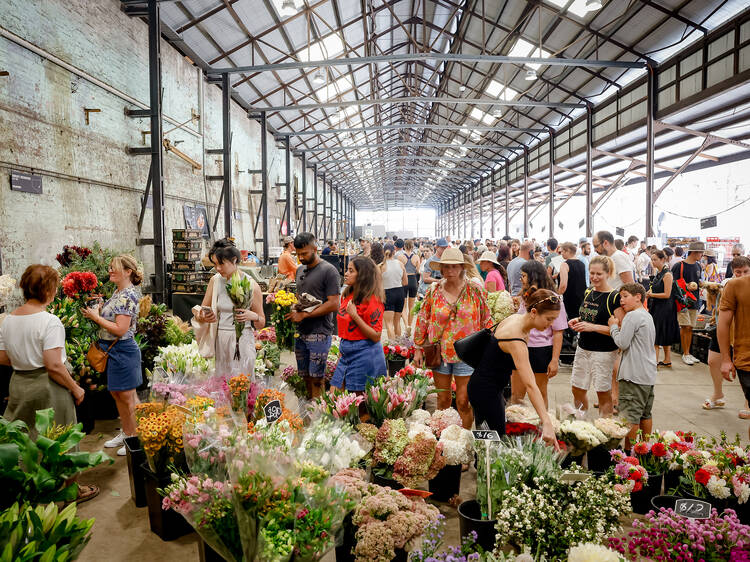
442 243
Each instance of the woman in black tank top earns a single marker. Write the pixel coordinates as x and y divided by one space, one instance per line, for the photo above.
508 352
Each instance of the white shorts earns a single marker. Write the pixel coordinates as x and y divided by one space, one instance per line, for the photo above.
593 366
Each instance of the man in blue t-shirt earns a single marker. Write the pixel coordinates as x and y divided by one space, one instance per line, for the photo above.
690 271
430 275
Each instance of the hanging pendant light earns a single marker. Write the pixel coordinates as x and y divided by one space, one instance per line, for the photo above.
530 75
288 8
592 5
319 78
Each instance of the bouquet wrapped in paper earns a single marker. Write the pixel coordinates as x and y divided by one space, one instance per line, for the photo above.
240 291
184 359
207 505
282 302
580 436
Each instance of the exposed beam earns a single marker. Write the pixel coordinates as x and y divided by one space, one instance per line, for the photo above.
445 127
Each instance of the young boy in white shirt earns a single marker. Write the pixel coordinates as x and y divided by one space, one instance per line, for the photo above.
637 374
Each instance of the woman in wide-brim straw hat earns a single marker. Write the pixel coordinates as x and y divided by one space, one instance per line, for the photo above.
452 309
497 277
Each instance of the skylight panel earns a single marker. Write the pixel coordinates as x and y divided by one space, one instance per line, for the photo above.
329 91
523 48
474 135
326 48
344 113
482 116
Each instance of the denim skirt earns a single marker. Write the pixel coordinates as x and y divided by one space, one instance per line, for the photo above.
123 365
360 362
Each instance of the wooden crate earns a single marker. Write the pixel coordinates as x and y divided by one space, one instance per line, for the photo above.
191 255
186 234
187 276
187 245
183 287
185 266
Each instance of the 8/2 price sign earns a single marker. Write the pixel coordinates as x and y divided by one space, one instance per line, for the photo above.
272 411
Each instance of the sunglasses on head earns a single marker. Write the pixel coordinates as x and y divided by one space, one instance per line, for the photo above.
554 299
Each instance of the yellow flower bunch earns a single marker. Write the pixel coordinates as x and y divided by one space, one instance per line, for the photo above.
284 298
199 403
161 436
147 408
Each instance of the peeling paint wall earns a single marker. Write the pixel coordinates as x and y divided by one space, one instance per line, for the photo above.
92 187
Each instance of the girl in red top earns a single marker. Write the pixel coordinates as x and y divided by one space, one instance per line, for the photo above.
360 323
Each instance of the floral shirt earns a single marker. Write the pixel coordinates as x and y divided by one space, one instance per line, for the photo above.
121 302
438 320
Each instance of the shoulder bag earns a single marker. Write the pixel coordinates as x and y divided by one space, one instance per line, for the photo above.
431 352
97 357
470 349
682 295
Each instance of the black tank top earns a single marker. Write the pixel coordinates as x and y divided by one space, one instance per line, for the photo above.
496 362
576 287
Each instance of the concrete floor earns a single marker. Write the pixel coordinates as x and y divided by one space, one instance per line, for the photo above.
121 531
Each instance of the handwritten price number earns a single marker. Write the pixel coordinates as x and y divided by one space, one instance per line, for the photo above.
693 509
272 411
486 435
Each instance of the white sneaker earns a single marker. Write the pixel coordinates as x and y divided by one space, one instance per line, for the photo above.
121 452
686 359
694 359
117 441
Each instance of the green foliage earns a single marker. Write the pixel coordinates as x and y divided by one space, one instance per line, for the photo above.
151 333
97 263
38 471
174 334
42 533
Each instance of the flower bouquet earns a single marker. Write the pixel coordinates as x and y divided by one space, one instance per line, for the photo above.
240 291
185 359
95 260
288 414
268 355
664 535
580 436
393 397
655 457
69 253
160 434
501 305
333 445
385 520
614 429
206 444
267 334
549 517
397 352
629 474
291 376
207 506
282 302
339 405
412 373
79 286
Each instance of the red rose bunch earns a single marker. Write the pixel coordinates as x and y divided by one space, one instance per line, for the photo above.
659 450
517 428
79 284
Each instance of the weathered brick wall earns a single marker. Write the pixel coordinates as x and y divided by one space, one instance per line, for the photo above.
92 186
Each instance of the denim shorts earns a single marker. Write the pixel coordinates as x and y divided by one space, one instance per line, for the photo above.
459 369
311 352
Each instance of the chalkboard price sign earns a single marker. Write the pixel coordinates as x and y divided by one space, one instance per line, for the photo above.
485 435
693 509
272 411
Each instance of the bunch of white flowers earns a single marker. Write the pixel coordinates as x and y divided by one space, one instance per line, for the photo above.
615 430
419 429
518 413
185 359
590 552
718 488
419 416
457 445
581 436
330 444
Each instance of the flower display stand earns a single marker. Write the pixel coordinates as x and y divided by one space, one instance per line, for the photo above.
641 501
447 483
470 519
136 457
168 525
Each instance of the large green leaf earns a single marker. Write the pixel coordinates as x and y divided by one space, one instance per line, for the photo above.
9 456
44 419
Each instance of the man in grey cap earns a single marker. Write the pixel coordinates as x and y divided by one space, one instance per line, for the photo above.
690 271
430 275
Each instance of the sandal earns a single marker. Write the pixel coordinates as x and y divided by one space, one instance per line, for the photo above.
709 404
744 414
665 365
87 492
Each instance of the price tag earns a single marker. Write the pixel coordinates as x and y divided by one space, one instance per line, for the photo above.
272 411
485 435
693 509
574 477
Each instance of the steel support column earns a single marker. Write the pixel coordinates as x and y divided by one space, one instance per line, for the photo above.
481 206
157 156
525 192
315 195
226 130
651 98
303 225
551 182
507 198
288 185
323 217
264 182
589 218
492 203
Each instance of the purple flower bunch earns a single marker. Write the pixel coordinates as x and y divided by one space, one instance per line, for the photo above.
432 543
666 536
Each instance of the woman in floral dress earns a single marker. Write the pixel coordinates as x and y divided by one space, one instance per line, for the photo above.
452 309
117 322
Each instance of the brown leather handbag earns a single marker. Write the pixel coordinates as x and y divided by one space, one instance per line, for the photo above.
97 357
432 355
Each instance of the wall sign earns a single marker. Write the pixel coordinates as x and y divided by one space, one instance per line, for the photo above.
196 218
708 222
619 231
28 183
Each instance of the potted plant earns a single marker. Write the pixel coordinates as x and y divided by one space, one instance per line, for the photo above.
397 353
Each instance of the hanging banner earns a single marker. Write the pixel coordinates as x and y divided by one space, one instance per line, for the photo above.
708 222
723 247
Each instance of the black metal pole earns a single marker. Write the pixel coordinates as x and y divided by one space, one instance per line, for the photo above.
481 208
651 99
226 130
264 181
315 195
589 165
157 159
303 226
551 182
507 198
525 192
323 218
288 154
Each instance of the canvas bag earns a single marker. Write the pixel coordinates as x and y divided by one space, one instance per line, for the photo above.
205 332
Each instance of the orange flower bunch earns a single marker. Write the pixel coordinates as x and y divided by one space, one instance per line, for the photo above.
147 408
161 437
269 395
295 422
